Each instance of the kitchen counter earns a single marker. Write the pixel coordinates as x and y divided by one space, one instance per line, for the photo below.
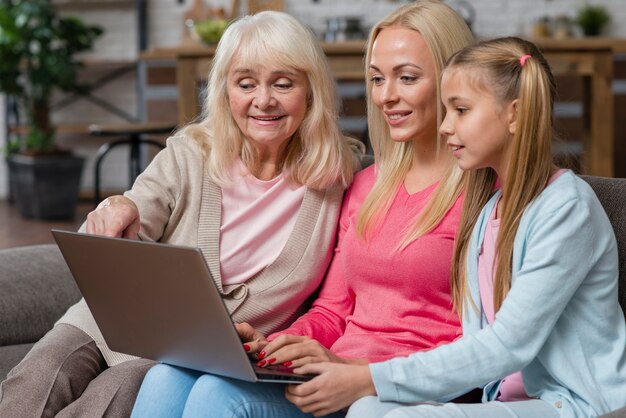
591 58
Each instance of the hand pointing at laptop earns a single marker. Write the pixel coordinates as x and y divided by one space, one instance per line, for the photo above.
115 216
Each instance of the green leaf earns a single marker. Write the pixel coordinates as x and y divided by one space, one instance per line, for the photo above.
38 56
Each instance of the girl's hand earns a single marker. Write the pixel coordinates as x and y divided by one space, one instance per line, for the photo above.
295 351
115 216
253 340
336 387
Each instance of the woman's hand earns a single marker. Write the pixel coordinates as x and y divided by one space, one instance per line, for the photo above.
253 340
336 387
295 351
115 216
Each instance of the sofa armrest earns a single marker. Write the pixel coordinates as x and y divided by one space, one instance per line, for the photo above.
36 288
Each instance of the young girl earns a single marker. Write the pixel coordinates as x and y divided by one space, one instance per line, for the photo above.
536 273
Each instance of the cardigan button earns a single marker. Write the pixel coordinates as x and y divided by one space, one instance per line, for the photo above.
558 404
240 292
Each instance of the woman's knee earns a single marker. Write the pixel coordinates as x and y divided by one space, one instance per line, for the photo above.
164 383
225 397
164 391
160 372
55 372
64 345
209 387
166 377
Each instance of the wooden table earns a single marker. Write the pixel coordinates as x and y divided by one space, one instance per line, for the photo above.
193 63
590 58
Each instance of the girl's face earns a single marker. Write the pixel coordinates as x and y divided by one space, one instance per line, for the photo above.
478 127
404 86
268 103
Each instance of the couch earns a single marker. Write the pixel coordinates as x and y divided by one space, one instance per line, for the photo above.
36 286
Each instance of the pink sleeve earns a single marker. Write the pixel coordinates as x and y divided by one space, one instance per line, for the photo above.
325 321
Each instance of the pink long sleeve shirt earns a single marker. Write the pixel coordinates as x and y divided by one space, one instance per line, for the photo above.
377 302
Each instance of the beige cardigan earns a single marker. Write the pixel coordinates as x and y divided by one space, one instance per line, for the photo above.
179 204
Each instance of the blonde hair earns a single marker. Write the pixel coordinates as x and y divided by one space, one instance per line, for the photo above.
444 32
497 69
317 156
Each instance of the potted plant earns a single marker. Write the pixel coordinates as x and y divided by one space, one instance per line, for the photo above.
592 19
38 51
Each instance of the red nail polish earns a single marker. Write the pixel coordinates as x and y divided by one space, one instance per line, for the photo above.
261 363
246 347
261 355
270 361
287 363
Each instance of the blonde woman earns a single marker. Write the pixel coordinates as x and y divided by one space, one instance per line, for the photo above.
536 271
256 184
387 291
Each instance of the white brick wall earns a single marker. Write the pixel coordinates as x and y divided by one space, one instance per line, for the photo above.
493 18
119 41
516 17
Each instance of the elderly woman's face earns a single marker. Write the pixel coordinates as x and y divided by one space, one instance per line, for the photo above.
268 103
404 84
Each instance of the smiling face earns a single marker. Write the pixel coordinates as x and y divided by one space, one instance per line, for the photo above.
478 127
268 104
404 85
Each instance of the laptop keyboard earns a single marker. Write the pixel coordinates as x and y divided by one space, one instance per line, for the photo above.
281 373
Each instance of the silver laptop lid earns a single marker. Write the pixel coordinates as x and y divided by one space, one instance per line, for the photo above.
156 301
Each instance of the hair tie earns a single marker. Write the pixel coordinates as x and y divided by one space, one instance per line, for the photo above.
523 59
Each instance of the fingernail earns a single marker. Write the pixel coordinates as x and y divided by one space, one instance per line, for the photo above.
287 363
270 361
261 363
261 355
246 347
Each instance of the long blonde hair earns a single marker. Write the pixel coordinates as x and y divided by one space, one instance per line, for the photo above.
318 155
444 32
497 69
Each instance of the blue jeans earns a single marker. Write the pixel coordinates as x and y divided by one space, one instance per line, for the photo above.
169 391
371 407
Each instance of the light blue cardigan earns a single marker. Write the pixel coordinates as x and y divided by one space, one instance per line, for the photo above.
561 323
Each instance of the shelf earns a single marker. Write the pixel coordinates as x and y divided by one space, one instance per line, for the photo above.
93 4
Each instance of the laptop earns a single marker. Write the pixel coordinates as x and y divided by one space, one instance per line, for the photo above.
158 301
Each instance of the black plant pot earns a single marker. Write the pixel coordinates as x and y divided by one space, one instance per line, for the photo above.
45 187
591 30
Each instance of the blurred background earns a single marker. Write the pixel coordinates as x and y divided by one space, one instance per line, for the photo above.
146 67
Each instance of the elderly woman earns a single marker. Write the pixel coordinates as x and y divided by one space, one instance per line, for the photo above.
256 185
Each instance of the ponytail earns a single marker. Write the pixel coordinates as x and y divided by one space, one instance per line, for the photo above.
513 69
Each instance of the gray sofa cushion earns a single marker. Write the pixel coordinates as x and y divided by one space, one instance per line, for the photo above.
11 355
620 413
612 194
37 289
